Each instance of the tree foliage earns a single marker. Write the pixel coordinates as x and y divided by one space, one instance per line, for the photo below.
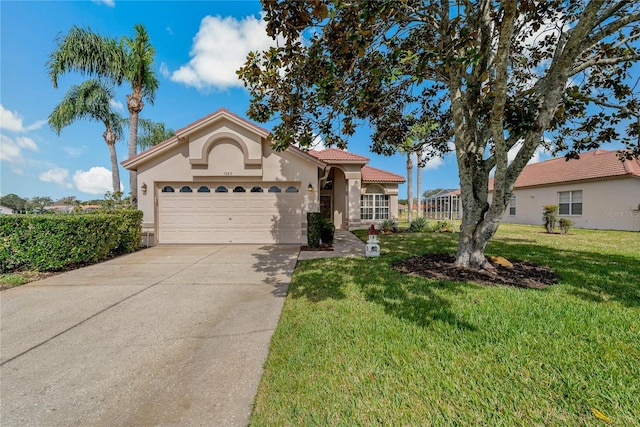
496 76
14 202
153 133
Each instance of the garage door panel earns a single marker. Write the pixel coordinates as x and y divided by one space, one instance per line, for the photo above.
229 217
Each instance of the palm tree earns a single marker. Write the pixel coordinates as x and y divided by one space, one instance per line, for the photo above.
419 180
90 100
129 59
152 133
144 84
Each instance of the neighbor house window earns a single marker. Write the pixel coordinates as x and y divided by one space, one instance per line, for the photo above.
291 189
570 202
186 189
274 189
257 189
239 189
512 205
374 204
222 189
204 189
168 189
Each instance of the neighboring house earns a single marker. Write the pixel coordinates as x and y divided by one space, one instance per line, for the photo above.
597 191
218 180
5 210
59 208
444 205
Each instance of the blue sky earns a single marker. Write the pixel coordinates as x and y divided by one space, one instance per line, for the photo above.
198 46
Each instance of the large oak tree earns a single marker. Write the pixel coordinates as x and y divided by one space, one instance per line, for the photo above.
496 76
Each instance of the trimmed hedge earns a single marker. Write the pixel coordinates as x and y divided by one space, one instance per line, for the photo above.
55 242
314 228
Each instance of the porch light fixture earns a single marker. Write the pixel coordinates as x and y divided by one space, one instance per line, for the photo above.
144 188
310 187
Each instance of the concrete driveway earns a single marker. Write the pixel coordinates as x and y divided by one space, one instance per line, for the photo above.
171 335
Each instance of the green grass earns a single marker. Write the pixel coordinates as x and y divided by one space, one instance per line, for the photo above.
9 280
360 344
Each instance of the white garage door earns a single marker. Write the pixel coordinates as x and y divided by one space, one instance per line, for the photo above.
212 213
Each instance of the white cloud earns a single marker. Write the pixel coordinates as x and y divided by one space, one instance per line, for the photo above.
58 175
433 164
116 104
12 149
110 3
219 49
11 121
537 155
74 151
169 30
96 180
164 70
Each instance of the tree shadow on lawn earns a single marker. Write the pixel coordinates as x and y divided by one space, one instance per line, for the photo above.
317 280
593 276
410 298
414 299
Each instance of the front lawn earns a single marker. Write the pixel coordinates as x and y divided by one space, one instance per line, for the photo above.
361 344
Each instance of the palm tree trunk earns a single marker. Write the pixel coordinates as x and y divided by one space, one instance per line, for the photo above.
115 172
409 187
110 138
419 183
134 105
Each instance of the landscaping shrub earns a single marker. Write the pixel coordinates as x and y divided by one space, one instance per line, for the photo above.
388 225
443 226
314 229
419 225
565 225
549 217
328 232
55 242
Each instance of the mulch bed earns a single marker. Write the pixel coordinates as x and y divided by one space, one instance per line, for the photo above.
440 267
319 249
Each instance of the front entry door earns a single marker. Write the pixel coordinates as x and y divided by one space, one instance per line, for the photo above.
326 207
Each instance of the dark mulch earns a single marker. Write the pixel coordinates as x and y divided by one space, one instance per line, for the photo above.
440 267
322 247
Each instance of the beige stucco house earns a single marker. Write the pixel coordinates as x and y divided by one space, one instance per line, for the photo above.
597 191
218 181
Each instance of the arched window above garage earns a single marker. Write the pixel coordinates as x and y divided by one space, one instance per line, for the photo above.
167 189
291 189
204 189
186 189
222 189
257 189
239 189
274 189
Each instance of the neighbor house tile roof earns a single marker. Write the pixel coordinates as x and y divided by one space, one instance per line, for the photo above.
370 174
335 155
595 164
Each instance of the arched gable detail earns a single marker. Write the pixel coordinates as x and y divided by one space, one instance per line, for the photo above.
222 137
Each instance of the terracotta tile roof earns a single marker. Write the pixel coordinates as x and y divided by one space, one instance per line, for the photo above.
335 155
591 165
370 174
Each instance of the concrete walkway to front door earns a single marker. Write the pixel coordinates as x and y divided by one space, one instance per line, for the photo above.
171 335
